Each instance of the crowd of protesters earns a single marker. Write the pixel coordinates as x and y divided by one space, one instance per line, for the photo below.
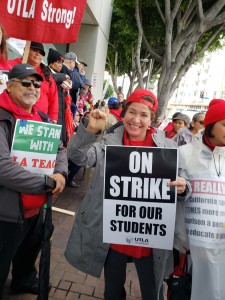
37 92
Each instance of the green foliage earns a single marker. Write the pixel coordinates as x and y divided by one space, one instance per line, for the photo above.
124 34
169 49
110 90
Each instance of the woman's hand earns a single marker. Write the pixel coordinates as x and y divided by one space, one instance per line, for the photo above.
180 183
97 120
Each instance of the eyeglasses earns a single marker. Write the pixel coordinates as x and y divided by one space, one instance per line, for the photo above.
27 83
201 122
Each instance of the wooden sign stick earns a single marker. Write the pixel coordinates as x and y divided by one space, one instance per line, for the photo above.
64 211
26 52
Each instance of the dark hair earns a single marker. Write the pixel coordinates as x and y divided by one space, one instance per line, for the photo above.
3 46
195 118
208 130
148 98
103 103
175 115
114 106
97 104
46 72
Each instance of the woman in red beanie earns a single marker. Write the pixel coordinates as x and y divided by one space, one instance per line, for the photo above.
85 249
203 163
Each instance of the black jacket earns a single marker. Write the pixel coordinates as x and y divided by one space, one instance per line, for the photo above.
14 179
77 82
59 78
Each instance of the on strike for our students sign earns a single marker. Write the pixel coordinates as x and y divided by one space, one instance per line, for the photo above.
44 21
139 207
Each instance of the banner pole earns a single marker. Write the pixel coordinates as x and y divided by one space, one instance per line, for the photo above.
26 52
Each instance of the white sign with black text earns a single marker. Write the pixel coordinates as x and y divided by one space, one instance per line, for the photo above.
139 207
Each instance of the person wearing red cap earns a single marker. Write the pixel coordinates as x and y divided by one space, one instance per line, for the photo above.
202 162
85 249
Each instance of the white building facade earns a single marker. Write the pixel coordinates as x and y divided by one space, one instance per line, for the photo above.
92 43
203 82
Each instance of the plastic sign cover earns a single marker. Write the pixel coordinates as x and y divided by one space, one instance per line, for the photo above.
139 207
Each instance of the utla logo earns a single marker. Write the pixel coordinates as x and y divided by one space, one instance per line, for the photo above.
141 240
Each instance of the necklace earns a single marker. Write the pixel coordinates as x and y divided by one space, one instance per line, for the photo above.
217 170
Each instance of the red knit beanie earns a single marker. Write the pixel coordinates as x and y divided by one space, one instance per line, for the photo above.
216 111
137 96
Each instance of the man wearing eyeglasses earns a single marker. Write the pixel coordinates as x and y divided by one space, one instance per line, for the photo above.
20 226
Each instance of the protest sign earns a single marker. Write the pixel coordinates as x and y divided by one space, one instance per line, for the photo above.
138 207
16 46
164 123
205 213
44 21
35 145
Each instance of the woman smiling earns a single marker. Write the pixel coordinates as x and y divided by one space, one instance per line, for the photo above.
86 250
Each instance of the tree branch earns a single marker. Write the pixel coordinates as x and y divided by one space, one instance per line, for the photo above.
150 50
141 32
188 12
216 21
169 33
200 13
214 11
139 43
175 9
193 58
160 11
